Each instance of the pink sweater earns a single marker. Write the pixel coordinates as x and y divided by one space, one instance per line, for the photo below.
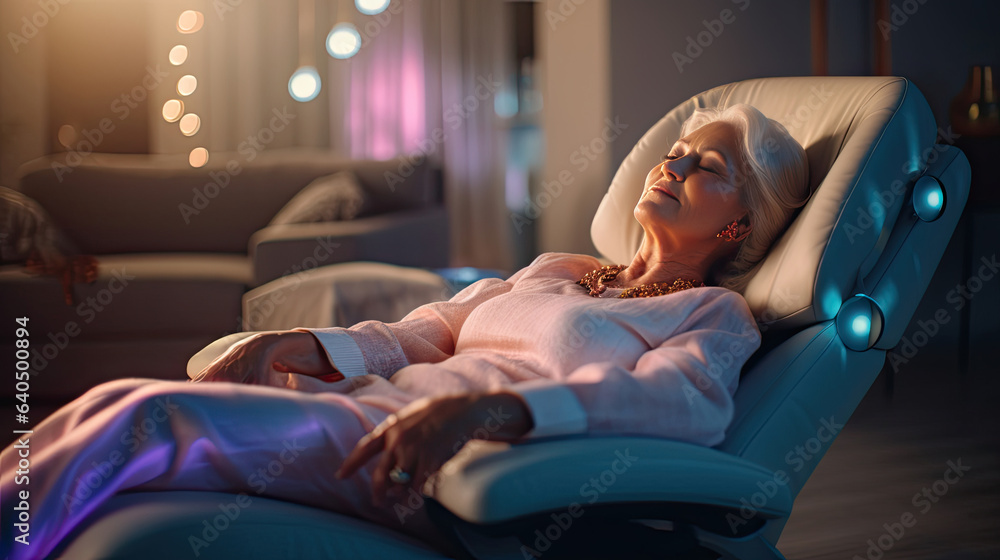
666 366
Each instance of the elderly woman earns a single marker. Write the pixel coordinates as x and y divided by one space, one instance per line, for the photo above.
563 346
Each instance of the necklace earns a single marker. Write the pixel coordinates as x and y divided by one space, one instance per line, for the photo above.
595 279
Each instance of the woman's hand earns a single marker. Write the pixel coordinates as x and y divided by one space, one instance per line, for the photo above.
425 434
254 359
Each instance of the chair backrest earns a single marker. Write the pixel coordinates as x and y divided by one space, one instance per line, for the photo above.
844 280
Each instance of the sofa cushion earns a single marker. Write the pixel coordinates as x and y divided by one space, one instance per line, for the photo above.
144 295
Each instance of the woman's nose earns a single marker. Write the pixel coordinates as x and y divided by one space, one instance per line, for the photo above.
673 169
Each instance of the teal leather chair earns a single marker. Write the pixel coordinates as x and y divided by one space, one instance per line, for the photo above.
834 294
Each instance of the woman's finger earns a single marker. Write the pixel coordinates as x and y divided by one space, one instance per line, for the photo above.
366 448
422 470
380 476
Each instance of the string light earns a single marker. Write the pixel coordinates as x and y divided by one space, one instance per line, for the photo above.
178 55
304 85
371 7
187 84
344 41
172 110
198 157
190 21
190 124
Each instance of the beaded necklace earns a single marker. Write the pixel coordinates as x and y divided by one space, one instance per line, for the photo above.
594 281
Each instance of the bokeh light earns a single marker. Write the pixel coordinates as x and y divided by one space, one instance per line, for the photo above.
344 41
190 21
304 85
190 124
172 110
371 7
178 55
198 157
187 84
67 135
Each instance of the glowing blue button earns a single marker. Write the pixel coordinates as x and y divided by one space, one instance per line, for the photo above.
934 199
861 325
928 198
860 322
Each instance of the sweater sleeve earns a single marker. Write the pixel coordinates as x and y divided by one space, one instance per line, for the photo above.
681 389
426 335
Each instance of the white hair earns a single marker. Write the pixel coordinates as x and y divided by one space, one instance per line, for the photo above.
773 181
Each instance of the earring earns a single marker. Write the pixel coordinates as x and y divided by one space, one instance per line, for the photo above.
731 232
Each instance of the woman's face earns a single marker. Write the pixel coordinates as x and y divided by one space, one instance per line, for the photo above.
692 194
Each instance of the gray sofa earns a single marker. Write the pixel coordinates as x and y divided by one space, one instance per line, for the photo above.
178 247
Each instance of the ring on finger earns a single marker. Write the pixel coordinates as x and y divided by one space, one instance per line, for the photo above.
399 476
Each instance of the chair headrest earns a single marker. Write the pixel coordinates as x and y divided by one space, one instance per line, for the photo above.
861 135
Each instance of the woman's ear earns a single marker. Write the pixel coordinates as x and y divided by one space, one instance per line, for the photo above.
744 227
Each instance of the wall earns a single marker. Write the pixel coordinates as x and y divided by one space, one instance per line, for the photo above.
23 97
657 61
573 67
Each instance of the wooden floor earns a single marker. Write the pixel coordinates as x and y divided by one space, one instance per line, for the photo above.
890 451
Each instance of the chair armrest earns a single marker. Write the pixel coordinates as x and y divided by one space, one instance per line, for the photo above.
492 482
407 238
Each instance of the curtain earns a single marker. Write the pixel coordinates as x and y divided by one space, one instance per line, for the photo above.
422 84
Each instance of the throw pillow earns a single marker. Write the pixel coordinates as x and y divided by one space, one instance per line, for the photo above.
333 197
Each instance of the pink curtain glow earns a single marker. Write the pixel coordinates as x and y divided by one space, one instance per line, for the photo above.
387 104
391 99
